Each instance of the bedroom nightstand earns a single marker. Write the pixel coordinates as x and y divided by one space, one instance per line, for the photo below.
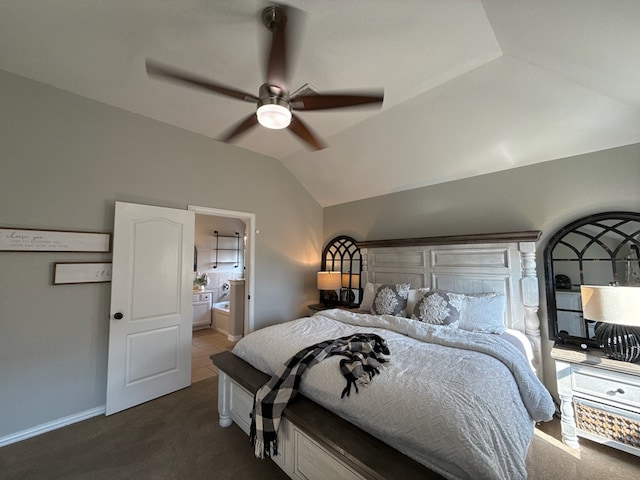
600 399
318 307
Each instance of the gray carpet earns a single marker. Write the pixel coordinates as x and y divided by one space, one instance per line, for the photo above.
173 437
177 437
550 459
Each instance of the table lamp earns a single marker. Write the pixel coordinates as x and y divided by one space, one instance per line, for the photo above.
328 283
617 313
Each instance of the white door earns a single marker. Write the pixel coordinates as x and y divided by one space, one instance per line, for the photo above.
151 311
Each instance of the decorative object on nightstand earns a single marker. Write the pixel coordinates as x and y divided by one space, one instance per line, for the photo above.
617 311
328 283
563 282
350 282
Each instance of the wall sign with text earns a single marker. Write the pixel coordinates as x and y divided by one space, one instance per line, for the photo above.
81 272
31 240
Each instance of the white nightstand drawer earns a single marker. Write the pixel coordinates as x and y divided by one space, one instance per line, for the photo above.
617 388
597 420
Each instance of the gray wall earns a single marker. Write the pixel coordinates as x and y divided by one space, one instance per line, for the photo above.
543 197
64 161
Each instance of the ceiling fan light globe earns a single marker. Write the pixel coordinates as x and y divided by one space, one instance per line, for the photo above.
274 116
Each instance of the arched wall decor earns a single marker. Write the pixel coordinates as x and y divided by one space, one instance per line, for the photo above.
341 254
600 249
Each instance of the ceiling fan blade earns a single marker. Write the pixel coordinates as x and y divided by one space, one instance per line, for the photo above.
275 18
170 73
240 128
326 101
304 133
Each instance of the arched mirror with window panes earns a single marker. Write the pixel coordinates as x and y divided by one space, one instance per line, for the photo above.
342 255
600 249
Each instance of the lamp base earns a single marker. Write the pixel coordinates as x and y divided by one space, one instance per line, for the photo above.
347 296
329 298
618 341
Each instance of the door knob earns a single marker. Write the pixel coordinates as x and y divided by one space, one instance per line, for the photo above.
118 316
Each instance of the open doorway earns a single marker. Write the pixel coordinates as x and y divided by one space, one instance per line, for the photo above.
224 256
248 257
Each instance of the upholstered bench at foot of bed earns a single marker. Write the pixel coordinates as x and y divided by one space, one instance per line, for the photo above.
315 440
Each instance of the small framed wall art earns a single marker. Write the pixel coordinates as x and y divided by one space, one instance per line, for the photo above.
81 272
32 240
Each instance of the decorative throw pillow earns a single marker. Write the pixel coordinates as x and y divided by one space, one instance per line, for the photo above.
438 307
391 300
368 295
484 314
415 295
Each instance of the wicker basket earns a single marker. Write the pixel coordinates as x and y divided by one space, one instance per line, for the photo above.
607 425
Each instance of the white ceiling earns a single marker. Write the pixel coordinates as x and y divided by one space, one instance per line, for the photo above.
471 86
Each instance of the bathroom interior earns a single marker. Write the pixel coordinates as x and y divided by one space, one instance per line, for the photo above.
218 289
218 273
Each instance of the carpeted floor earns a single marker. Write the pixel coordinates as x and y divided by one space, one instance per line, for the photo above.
550 459
172 438
177 437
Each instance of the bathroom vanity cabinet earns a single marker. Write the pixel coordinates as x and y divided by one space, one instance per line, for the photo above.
201 310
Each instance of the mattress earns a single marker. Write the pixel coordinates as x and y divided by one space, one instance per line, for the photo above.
461 403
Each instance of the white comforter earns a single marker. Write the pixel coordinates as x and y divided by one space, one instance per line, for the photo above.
463 413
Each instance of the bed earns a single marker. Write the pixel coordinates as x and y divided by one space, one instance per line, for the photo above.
455 403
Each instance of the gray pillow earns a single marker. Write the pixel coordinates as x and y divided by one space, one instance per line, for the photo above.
391 300
484 314
438 307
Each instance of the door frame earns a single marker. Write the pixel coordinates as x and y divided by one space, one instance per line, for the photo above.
249 220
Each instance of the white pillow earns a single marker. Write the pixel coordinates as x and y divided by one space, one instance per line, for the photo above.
415 295
368 295
484 314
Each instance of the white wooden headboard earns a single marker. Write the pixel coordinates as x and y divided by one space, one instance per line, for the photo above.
503 263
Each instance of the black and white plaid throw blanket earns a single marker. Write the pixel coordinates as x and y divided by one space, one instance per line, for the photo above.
363 361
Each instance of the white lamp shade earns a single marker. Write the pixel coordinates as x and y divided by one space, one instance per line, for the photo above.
329 280
619 305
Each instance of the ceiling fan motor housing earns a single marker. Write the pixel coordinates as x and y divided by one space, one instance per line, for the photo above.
274 16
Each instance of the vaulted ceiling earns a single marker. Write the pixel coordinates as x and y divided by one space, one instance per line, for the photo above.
471 87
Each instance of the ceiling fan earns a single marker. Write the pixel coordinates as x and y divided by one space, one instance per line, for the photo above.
275 106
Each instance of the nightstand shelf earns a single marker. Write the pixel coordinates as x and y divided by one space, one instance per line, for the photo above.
600 399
